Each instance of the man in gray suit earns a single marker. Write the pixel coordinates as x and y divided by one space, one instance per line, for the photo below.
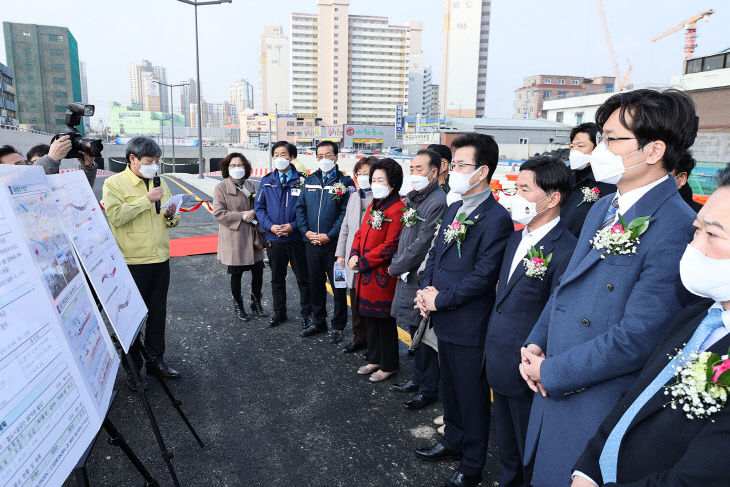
426 204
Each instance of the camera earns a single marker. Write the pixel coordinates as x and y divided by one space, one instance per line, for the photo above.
79 143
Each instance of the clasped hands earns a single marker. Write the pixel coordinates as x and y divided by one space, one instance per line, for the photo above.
425 300
532 357
317 238
281 230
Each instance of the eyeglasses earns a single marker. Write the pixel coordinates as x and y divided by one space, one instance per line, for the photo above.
454 164
329 156
236 165
604 138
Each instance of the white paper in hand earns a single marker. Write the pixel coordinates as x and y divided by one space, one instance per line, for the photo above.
178 200
340 277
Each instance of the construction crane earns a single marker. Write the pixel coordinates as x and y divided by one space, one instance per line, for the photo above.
622 82
690 32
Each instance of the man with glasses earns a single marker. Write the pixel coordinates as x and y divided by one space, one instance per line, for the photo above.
585 190
320 210
612 305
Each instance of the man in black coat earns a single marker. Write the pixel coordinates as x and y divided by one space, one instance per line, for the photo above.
644 442
542 185
681 177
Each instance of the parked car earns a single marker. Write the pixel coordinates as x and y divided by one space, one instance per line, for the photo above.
393 149
365 152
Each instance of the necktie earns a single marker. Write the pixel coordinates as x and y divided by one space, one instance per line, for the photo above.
609 456
284 178
611 213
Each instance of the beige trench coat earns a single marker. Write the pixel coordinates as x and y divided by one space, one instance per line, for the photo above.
235 237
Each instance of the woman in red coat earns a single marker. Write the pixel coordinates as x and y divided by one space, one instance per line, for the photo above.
372 251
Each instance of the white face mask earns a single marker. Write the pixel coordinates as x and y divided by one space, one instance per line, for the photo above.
281 164
326 165
405 188
578 160
380 191
459 182
237 172
607 167
524 211
148 170
363 182
452 197
703 276
419 182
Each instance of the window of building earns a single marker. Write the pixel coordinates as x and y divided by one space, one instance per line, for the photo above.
523 140
579 118
60 94
60 108
546 94
29 77
575 82
609 87
713 62
60 121
31 92
58 67
299 124
532 109
56 52
561 81
26 34
59 81
289 124
289 133
559 117
29 63
55 38
547 81
693 66
562 94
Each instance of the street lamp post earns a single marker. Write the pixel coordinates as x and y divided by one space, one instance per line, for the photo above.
172 117
196 3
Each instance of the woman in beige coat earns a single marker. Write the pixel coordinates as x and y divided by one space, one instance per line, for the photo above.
239 236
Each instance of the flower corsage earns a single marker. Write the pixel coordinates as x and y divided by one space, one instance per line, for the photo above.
456 232
536 263
590 195
377 217
410 216
701 386
620 239
338 191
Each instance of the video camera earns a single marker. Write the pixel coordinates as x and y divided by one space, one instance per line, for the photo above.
79 143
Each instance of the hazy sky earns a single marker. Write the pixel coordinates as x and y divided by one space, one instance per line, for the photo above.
527 37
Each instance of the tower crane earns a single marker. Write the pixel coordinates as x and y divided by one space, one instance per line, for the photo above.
622 82
690 31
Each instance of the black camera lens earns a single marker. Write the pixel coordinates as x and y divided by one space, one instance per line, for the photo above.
90 146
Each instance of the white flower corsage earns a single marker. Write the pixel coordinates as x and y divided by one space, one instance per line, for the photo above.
410 216
701 386
536 263
620 239
377 217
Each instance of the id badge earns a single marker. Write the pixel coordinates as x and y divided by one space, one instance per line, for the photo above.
296 191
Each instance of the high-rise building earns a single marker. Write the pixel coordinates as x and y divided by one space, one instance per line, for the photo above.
142 87
465 43
536 90
351 68
8 105
435 107
188 95
241 95
85 93
274 70
45 61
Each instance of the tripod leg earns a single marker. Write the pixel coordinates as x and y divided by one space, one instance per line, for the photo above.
116 439
175 402
166 455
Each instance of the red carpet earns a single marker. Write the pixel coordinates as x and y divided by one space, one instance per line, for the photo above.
205 244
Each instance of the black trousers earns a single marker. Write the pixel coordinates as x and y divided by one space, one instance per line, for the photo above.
382 342
320 263
152 281
280 255
466 405
511 417
257 280
426 372
359 331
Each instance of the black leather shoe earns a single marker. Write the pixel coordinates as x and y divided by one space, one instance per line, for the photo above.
458 479
159 367
419 401
336 336
312 330
240 312
306 321
256 307
436 453
276 320
353 347
406 387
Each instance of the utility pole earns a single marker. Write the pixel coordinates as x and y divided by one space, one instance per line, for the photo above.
172 117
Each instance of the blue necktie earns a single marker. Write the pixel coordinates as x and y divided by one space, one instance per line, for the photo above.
609 456
284 178
611 213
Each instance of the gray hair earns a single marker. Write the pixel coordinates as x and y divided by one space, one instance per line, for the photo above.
143 147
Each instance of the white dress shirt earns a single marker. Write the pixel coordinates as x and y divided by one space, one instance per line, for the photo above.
626 201
528 240
717 334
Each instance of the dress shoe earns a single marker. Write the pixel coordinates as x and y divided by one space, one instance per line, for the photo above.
419 401
160 368
353 347
437 452
458 479
240 312
411 352
256 307
277 319
336 336
306 321
406 387
312 330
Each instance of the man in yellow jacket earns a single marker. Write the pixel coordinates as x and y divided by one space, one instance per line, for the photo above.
142 232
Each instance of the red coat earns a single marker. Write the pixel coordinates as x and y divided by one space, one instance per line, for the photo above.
375 249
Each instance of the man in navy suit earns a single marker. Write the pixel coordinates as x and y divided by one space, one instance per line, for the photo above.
644 442
458 289
543 184
611 308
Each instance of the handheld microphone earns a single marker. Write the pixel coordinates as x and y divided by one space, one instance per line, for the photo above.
156 183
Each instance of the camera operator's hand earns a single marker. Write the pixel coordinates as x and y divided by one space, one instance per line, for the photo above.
86 159
60 148
155 194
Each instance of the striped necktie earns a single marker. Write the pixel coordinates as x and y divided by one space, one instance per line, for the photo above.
609 456
611 213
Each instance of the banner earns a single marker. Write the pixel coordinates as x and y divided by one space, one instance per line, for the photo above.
57 361
165 141
421 139
399 121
